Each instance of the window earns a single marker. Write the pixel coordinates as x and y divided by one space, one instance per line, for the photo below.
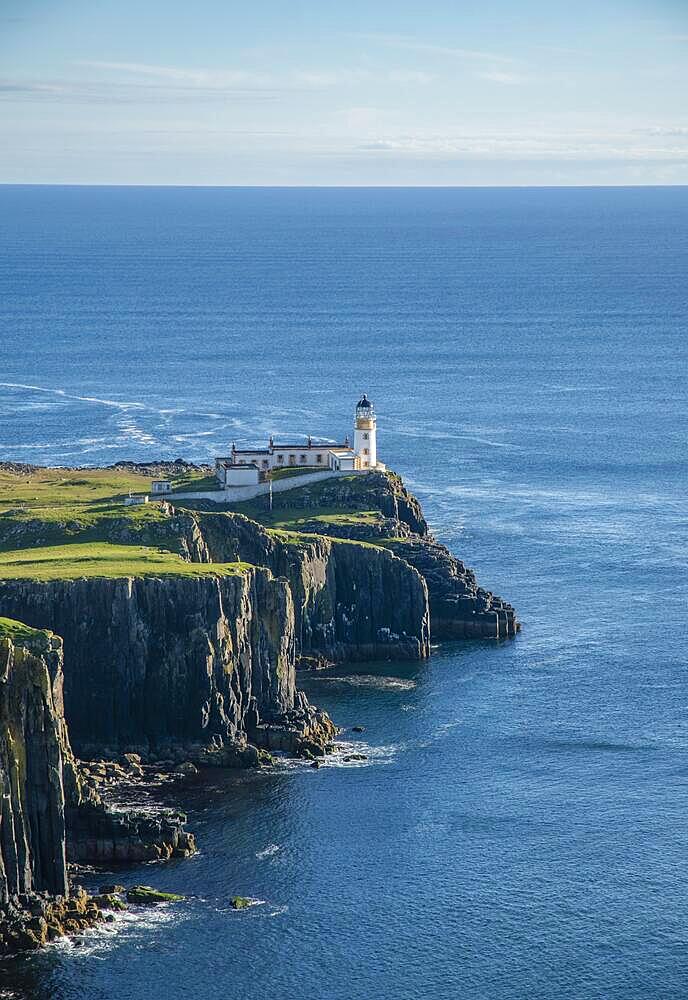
365 451
318 459
265 463
302 459
292 459
365 436
280 458
365 461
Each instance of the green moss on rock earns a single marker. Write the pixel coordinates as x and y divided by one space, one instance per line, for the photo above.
146 895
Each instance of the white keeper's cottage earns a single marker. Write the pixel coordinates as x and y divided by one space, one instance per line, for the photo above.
246 467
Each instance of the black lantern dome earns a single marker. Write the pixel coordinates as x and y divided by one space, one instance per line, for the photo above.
364 408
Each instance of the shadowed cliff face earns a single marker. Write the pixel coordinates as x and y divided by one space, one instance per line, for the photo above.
459 607
32 820
166 657
351 602
355 602
151 659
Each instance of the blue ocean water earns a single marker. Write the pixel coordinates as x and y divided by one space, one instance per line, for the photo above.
520 829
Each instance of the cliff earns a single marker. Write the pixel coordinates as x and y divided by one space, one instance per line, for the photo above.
154 658
345 570
48 812
351 601
379 510
181 631
32 743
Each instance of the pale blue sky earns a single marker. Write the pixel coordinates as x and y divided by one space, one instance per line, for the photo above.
356 92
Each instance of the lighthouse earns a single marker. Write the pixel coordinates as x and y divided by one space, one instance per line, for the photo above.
365 431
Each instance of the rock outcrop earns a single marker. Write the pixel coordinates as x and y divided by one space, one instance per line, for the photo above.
48 814
32 741
154 658
459 608
200 667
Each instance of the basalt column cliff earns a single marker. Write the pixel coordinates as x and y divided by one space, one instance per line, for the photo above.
182 628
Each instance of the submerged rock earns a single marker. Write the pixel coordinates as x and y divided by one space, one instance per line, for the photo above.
146 895
186 768
109 901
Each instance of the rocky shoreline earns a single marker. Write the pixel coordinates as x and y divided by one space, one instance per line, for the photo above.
152 678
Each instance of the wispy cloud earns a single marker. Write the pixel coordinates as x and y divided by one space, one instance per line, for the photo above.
499 76
177 74
590 146
451 51
676 130
229 78
483 65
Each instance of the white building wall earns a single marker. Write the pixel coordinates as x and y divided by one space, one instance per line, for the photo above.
365 439
242 476
233 494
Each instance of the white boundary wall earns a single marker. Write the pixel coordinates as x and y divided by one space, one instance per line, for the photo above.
234 494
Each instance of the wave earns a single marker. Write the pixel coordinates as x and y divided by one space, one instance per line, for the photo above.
132 432
373 754
68 395
370 681
127 924
269 851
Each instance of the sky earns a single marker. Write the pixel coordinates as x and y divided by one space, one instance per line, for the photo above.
344 92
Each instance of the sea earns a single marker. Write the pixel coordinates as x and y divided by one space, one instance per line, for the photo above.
519 829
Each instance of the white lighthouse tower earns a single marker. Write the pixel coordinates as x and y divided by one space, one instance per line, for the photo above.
365 434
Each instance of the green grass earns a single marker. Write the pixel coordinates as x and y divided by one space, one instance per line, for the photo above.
292 520
100 559
66 524
58 506
66 487
19 632
296 470
193 482
85 523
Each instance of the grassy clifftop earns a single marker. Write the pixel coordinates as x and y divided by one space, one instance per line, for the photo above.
18 632
75 560
70 523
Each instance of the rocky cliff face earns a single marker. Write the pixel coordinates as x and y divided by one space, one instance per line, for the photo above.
46 802
355 602
458 607
192 658
351 602
32 735
183 657
205 661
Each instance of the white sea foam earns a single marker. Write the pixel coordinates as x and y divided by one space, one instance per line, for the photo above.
132 432
373 754
370 681
269 851
128 924
120 405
